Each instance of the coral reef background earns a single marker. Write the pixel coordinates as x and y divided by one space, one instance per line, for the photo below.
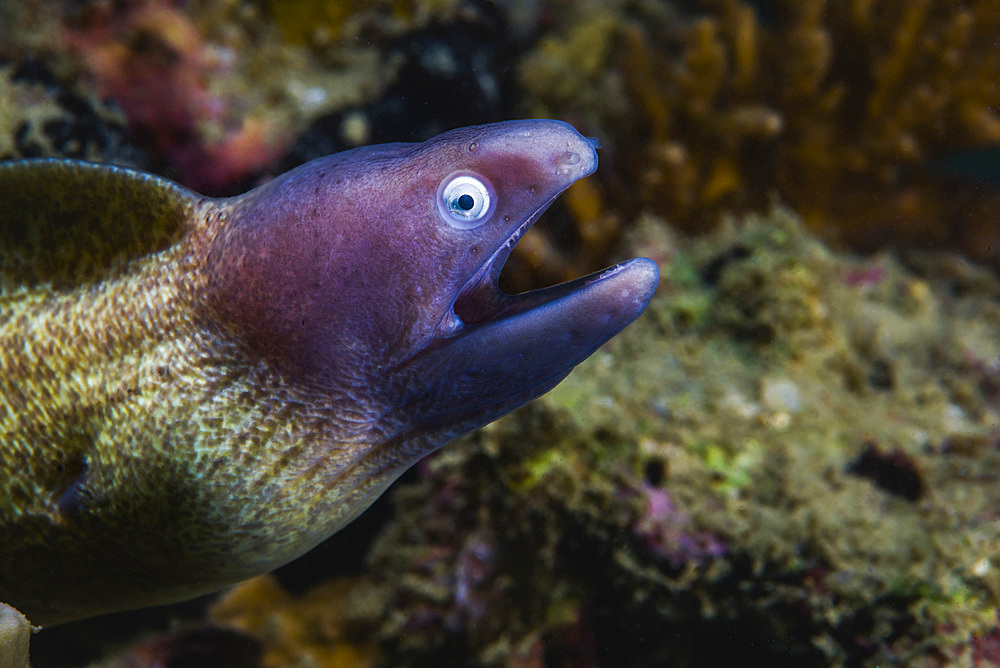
792 458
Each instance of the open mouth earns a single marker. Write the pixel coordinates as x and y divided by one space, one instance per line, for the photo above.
481 300
559 324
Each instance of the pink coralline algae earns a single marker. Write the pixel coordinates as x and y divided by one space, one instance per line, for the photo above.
864 276
986 648
473 575
666 531
151 59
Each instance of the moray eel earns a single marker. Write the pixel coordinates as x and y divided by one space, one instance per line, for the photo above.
194 391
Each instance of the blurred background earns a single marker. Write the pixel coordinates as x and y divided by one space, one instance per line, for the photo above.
793 460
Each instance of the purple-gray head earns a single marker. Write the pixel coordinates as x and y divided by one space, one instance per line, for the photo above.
373 273
234 380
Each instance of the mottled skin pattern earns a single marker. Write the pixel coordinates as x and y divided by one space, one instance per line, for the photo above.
195 391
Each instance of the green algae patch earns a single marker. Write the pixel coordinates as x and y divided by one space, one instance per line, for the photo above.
734 470
537 468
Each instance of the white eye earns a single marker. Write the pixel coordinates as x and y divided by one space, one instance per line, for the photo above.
465 200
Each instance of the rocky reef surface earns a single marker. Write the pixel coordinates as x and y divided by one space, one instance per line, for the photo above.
791 457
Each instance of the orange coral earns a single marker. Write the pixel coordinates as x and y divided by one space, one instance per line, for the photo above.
330 626
838 108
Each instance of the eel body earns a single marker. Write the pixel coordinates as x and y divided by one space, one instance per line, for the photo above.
194 391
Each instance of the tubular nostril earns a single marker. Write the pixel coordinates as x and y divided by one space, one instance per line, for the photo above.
566 162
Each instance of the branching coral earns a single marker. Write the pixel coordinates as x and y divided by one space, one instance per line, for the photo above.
840 108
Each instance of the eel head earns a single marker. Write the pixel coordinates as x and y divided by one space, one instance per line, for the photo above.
374 273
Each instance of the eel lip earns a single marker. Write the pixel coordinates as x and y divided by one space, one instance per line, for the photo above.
486 303
525 347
